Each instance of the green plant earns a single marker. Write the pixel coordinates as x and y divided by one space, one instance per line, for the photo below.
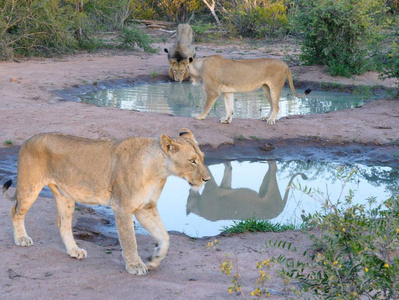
390 68
200 31
255 225
356 250
254 137
239 137
266 19
132 37
8 143
338 33
154 74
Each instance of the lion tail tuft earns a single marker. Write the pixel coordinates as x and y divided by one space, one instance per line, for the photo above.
6 185
307 91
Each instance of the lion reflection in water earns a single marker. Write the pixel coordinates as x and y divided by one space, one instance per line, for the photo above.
226 203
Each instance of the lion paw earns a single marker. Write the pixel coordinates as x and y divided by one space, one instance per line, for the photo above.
137 269
24 241
77 253
225 121
200 117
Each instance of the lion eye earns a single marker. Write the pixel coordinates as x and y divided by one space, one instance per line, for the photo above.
192 161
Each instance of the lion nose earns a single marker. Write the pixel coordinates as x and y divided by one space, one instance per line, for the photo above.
206 179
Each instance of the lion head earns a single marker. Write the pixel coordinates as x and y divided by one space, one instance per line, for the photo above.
186 159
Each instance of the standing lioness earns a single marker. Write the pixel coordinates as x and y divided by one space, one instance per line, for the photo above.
128 176
228 76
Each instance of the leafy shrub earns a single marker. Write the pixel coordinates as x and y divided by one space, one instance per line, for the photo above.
337 33
51 27
357 251
255 225
37 27
266 20
132 36
202 31
390 67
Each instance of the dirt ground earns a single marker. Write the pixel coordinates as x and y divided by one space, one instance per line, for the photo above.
29 105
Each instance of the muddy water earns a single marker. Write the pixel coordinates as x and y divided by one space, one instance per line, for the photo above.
186 100
261 189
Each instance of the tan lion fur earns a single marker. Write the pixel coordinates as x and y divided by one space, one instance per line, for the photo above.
180 52
228 76
128 175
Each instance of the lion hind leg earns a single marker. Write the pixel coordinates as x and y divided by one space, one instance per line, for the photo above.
25 198
66 207
149 218
269 99
228 105
275 97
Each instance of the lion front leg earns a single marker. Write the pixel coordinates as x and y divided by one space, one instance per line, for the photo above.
228 105
211 98
149 218
127 239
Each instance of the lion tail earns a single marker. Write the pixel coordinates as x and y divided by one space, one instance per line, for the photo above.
307 91
6 185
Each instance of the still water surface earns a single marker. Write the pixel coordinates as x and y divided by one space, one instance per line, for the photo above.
184 99
239 190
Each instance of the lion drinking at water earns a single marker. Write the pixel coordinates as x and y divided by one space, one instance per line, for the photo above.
180 53
128 175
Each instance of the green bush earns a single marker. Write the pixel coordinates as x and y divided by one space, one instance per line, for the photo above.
132 36
266 20
390 67
356 250
53 27
337 33
37 27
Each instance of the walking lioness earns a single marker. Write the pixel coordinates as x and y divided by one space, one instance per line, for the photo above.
228 76
128 175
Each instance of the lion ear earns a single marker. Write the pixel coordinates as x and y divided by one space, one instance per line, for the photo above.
172 61
190 60
166 50
168 145
186 133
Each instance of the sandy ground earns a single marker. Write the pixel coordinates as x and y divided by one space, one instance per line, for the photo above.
28 105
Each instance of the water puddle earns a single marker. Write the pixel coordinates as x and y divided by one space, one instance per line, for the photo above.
241 190
185 100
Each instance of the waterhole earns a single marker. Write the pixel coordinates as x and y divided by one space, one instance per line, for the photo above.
185 100
265 189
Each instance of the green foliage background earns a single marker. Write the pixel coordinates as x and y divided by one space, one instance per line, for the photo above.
348 36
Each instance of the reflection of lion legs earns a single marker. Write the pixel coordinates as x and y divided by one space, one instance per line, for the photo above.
66 207
228 104
227 175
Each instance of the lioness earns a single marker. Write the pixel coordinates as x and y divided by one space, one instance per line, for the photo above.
127 175
228 76
180 52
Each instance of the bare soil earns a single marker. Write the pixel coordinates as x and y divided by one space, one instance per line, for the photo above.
30 105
